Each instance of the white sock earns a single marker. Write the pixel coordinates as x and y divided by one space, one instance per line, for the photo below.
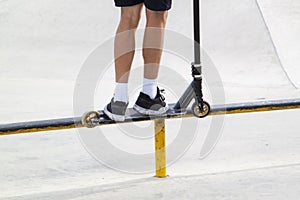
150 87
121 92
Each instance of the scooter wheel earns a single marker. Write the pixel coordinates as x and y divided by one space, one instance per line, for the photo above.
90 119
200 113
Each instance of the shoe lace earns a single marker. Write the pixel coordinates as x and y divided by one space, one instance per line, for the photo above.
161 97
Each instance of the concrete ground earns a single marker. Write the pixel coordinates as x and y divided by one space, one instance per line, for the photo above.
255 48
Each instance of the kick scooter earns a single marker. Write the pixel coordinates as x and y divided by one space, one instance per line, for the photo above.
200 108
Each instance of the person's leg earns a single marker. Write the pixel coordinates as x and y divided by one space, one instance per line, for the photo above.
124 52
152 51
125 41
150 101
124 49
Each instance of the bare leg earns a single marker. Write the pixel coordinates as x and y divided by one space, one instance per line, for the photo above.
125 41
153 42
150 100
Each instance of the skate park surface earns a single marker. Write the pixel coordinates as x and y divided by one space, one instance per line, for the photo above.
254 47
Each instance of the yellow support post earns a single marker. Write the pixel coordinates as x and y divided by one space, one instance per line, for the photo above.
160 148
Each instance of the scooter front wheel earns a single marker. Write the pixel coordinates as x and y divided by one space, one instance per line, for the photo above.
198 112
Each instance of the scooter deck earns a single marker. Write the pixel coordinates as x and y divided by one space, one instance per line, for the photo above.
234 108
134 116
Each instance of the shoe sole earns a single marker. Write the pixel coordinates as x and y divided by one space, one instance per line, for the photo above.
145 111
117 118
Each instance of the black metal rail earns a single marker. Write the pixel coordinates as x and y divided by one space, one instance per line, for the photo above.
69 123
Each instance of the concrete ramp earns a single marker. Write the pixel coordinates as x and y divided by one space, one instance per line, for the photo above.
238 41
282 17
51 40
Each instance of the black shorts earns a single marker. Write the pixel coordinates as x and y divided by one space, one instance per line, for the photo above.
155 5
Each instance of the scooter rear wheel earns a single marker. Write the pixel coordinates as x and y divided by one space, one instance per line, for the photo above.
90 119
